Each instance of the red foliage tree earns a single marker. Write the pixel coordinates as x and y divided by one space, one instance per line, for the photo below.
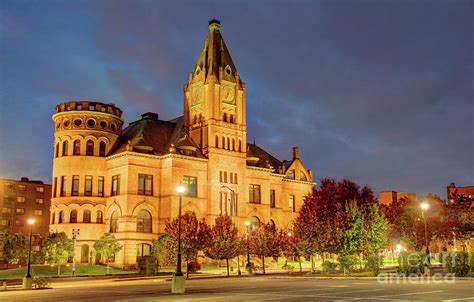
265 241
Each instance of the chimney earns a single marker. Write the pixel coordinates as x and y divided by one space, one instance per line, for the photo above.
296 153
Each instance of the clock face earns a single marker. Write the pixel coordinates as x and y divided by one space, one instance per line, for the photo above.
197 95
228 94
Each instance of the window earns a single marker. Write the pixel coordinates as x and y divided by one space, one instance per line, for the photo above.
190 183
231 177
143 249
303 176
115 185
20 199
240 145
291 174
76 149
63 186
22 187
90 148
40 189
73 216
235 178
5 222
144 221
61 217
39 212
102 149
20 210
53 218
65 145
113 222
86 217
233 144
254 193
75 185
39 200
228 143
145 184
231 118
291 203
225 117
272 198
220 176
6 210
223 142
100 187
100 217
88 186
56 154
55 185
217 141
225 176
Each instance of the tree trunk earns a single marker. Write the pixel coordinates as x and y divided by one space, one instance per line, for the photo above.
227 263
59 269
360 261
299 260
263 264
312 264
187 269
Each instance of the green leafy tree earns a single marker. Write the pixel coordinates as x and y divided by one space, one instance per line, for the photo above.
223 241
107 246
15 248
57 249
375 238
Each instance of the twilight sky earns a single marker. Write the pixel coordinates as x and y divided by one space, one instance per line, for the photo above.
380 92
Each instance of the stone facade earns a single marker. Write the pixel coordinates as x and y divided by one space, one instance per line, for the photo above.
109 179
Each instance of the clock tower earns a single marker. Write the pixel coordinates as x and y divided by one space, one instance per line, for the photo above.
214 98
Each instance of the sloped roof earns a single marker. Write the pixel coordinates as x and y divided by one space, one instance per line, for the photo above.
264 157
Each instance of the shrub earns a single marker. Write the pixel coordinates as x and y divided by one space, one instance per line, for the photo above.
461 264
347 263
373 264
411 263
151 266
40 282
194 266
329 267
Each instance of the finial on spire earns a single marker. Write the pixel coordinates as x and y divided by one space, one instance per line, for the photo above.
214 24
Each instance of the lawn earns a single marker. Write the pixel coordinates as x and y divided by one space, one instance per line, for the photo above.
66 270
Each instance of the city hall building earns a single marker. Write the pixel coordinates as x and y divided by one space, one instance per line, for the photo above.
111 178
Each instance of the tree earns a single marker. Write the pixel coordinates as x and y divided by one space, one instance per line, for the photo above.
456 221
375 237
193 236
15 248
57 249
265 241
107 246
223 241
293 246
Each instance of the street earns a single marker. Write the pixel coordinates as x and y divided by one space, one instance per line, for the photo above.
258 288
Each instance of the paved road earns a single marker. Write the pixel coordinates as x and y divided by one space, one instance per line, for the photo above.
249 289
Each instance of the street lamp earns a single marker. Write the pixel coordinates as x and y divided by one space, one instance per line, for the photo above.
27 281
178 279
247 225
74 234
233 213
424 207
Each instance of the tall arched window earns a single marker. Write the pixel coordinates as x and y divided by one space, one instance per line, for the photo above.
228 143
76 150
240 145
86 217
102 149
90 148
223 142
73 217
65 145
57 150
225 117
113 222
233 144
60 217
53 218
144 221
100 217
217 141
231 118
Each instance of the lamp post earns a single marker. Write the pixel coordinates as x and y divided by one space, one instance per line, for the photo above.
233 211
74 234
424 207
27 281
247 225
178 279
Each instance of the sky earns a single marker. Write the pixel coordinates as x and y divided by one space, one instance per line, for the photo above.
380 92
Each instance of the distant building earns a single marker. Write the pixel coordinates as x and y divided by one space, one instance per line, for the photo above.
21 200
388 197
465 192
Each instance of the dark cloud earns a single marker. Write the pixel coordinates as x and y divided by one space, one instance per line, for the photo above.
377 91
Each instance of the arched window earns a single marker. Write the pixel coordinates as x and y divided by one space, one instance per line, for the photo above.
100 217
231 118
254 222
53 217
233 144
225 117
60 217
200 117
90 148
240 145
76 150
65 145
86 217
73 217
57 150
113 222
194 119
144 221
223 142
228 143
272 224
102 149
217 141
